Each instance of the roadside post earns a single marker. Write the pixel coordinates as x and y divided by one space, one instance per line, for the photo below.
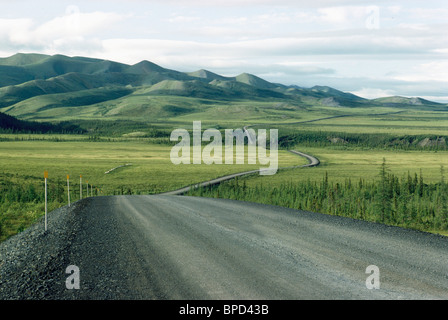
68 189
45 177
80 187
87 182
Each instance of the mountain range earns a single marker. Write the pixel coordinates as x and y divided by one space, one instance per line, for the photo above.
58 87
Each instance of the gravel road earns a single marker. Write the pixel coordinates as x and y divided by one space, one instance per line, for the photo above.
177 247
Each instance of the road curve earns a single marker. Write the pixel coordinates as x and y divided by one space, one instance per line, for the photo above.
188 248
312 162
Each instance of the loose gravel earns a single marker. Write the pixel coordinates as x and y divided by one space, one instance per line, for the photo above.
30 259
33 263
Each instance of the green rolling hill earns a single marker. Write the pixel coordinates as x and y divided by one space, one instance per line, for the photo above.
56 88
415 103
208 76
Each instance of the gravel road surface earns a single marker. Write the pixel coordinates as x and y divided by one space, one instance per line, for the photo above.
177 247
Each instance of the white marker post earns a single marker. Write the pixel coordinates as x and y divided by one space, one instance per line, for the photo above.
80 187
87 188
68 189
45 177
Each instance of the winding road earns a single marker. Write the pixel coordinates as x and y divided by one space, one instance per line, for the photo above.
169 247
312 162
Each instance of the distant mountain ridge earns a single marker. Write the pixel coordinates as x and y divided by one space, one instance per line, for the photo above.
34 86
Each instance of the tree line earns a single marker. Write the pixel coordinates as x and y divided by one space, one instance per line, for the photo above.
400 201
289 139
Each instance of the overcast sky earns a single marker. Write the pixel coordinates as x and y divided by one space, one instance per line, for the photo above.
370 48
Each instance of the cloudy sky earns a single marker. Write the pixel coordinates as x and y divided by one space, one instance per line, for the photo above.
370 48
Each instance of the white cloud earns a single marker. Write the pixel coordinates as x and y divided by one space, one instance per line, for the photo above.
394 9
349 16
437 14
76 24
414 26
441 50
301 68
57 33
373 93
335 15
258 3
430 71
15 30
183 19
